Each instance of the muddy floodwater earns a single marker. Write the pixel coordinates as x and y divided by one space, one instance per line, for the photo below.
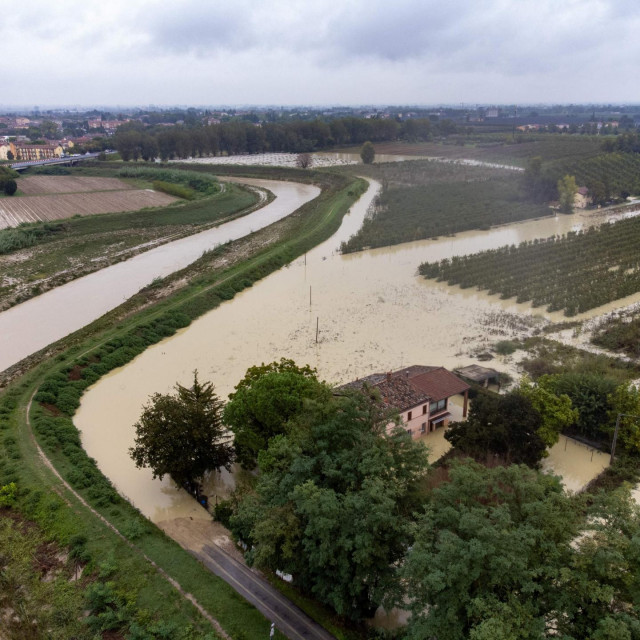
372 312
30 326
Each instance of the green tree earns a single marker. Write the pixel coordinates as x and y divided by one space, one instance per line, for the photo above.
264 401
182 434
599 591
488 553
507 426
10 155
591 395
10 186
333 504
626 400
367 153
556 411
567 190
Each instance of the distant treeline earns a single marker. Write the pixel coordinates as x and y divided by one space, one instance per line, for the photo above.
133 141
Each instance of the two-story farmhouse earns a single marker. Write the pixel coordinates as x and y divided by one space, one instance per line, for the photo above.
420 394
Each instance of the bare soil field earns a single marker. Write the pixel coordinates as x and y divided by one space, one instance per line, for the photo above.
58 206
41 185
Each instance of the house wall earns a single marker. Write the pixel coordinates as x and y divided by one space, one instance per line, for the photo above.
580 201
418 418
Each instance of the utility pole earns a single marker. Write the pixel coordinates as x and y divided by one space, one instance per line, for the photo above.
615 433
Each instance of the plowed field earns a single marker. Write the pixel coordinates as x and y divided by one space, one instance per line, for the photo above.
40 185
13 211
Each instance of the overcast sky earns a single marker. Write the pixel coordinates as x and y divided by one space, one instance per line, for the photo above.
288 52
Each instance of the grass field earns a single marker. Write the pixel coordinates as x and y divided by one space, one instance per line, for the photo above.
575 273
425 199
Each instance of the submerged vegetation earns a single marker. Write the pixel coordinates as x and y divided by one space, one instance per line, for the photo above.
619 333
576 272
406 213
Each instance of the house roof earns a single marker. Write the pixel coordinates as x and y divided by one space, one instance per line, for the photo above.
412 386
583 191
477 373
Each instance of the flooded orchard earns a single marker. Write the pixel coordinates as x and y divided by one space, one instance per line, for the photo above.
372 312
40 321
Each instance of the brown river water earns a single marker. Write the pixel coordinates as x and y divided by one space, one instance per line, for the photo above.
372 312
30 326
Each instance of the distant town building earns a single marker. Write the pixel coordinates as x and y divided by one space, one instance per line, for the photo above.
29 152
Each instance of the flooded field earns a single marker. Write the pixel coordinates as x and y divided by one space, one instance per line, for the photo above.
575 462
40 321
374 314
318 160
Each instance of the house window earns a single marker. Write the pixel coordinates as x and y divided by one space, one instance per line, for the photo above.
409 431
424 409
435 407
423 428
409 416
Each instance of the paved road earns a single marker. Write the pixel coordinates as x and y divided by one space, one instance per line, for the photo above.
289 620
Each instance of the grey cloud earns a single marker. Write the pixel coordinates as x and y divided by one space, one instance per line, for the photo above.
200 28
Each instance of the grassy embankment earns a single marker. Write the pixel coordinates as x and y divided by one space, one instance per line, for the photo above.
91 352
37 257
576 272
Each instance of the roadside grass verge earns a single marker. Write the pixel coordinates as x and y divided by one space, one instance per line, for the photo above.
90 353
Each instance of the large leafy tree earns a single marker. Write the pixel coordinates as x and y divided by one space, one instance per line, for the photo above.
367 153
333 504
504 553
556 411
625 400
488 553
591 394
264 401
567 190
507 426
599 592
182 435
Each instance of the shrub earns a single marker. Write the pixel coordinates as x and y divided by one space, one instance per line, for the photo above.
505 347
174 189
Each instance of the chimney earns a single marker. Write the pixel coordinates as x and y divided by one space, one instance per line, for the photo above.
388 376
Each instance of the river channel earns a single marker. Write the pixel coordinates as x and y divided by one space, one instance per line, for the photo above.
372 312
28 327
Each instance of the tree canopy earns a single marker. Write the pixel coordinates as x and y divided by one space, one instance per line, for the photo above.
333 503
487 553
567 190
504 553
367 153
264 401
182 434
507 426
556 411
